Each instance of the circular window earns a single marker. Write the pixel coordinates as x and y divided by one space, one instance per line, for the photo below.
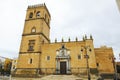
38 14
31 15
33 30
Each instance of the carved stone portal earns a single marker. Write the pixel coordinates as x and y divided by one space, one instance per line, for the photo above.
63 61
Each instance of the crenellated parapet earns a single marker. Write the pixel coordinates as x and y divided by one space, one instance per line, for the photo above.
76 39
86 37
37 6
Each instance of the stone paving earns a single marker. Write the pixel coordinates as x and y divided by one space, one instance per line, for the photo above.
54 77
51 77
61 77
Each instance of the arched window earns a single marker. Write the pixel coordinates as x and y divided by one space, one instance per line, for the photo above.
33 30
31 15
38 14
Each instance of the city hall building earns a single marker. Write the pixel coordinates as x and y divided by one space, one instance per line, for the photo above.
39 56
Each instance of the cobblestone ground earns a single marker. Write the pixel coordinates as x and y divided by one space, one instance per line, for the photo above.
54 77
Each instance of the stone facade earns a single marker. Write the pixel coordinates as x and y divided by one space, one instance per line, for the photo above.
39 56
104 59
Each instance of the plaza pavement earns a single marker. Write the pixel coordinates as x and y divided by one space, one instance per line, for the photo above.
55 77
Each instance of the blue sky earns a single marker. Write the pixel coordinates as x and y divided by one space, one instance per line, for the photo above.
100 18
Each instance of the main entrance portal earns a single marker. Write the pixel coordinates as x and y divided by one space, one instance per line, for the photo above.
62 67
63 61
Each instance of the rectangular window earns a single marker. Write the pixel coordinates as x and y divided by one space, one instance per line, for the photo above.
30 61
31 45
79 56
48 57
97 64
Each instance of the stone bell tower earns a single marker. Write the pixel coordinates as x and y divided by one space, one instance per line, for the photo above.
36 31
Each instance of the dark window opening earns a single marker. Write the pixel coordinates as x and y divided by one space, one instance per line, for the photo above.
48 57
31 45
31 15
13 67
97 64
90 50
38 14
81 50
79 56
31 48
30 61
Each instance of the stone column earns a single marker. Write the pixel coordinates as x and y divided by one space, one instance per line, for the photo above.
69 66
57 66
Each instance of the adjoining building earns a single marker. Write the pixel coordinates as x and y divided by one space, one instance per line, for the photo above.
14 65
5 65
39 56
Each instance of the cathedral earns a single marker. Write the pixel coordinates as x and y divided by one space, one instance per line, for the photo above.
39 56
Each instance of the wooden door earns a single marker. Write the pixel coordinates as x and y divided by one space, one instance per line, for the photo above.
62 67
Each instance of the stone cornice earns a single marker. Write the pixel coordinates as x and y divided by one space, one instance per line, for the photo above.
29 52
39 5
36 34
37 19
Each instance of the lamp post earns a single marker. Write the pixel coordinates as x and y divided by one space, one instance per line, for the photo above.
87 57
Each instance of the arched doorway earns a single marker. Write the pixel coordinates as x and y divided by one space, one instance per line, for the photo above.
63 61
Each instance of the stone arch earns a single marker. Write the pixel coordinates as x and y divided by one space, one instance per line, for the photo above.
31 15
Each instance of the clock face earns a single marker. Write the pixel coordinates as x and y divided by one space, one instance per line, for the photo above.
33 30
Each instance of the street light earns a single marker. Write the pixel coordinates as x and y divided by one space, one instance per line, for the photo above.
87 57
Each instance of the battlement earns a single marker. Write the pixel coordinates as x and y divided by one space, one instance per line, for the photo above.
36 6
76 39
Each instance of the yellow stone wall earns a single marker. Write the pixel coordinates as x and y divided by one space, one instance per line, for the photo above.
42 25
24 60
104 58
92 61
75 50
25 42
